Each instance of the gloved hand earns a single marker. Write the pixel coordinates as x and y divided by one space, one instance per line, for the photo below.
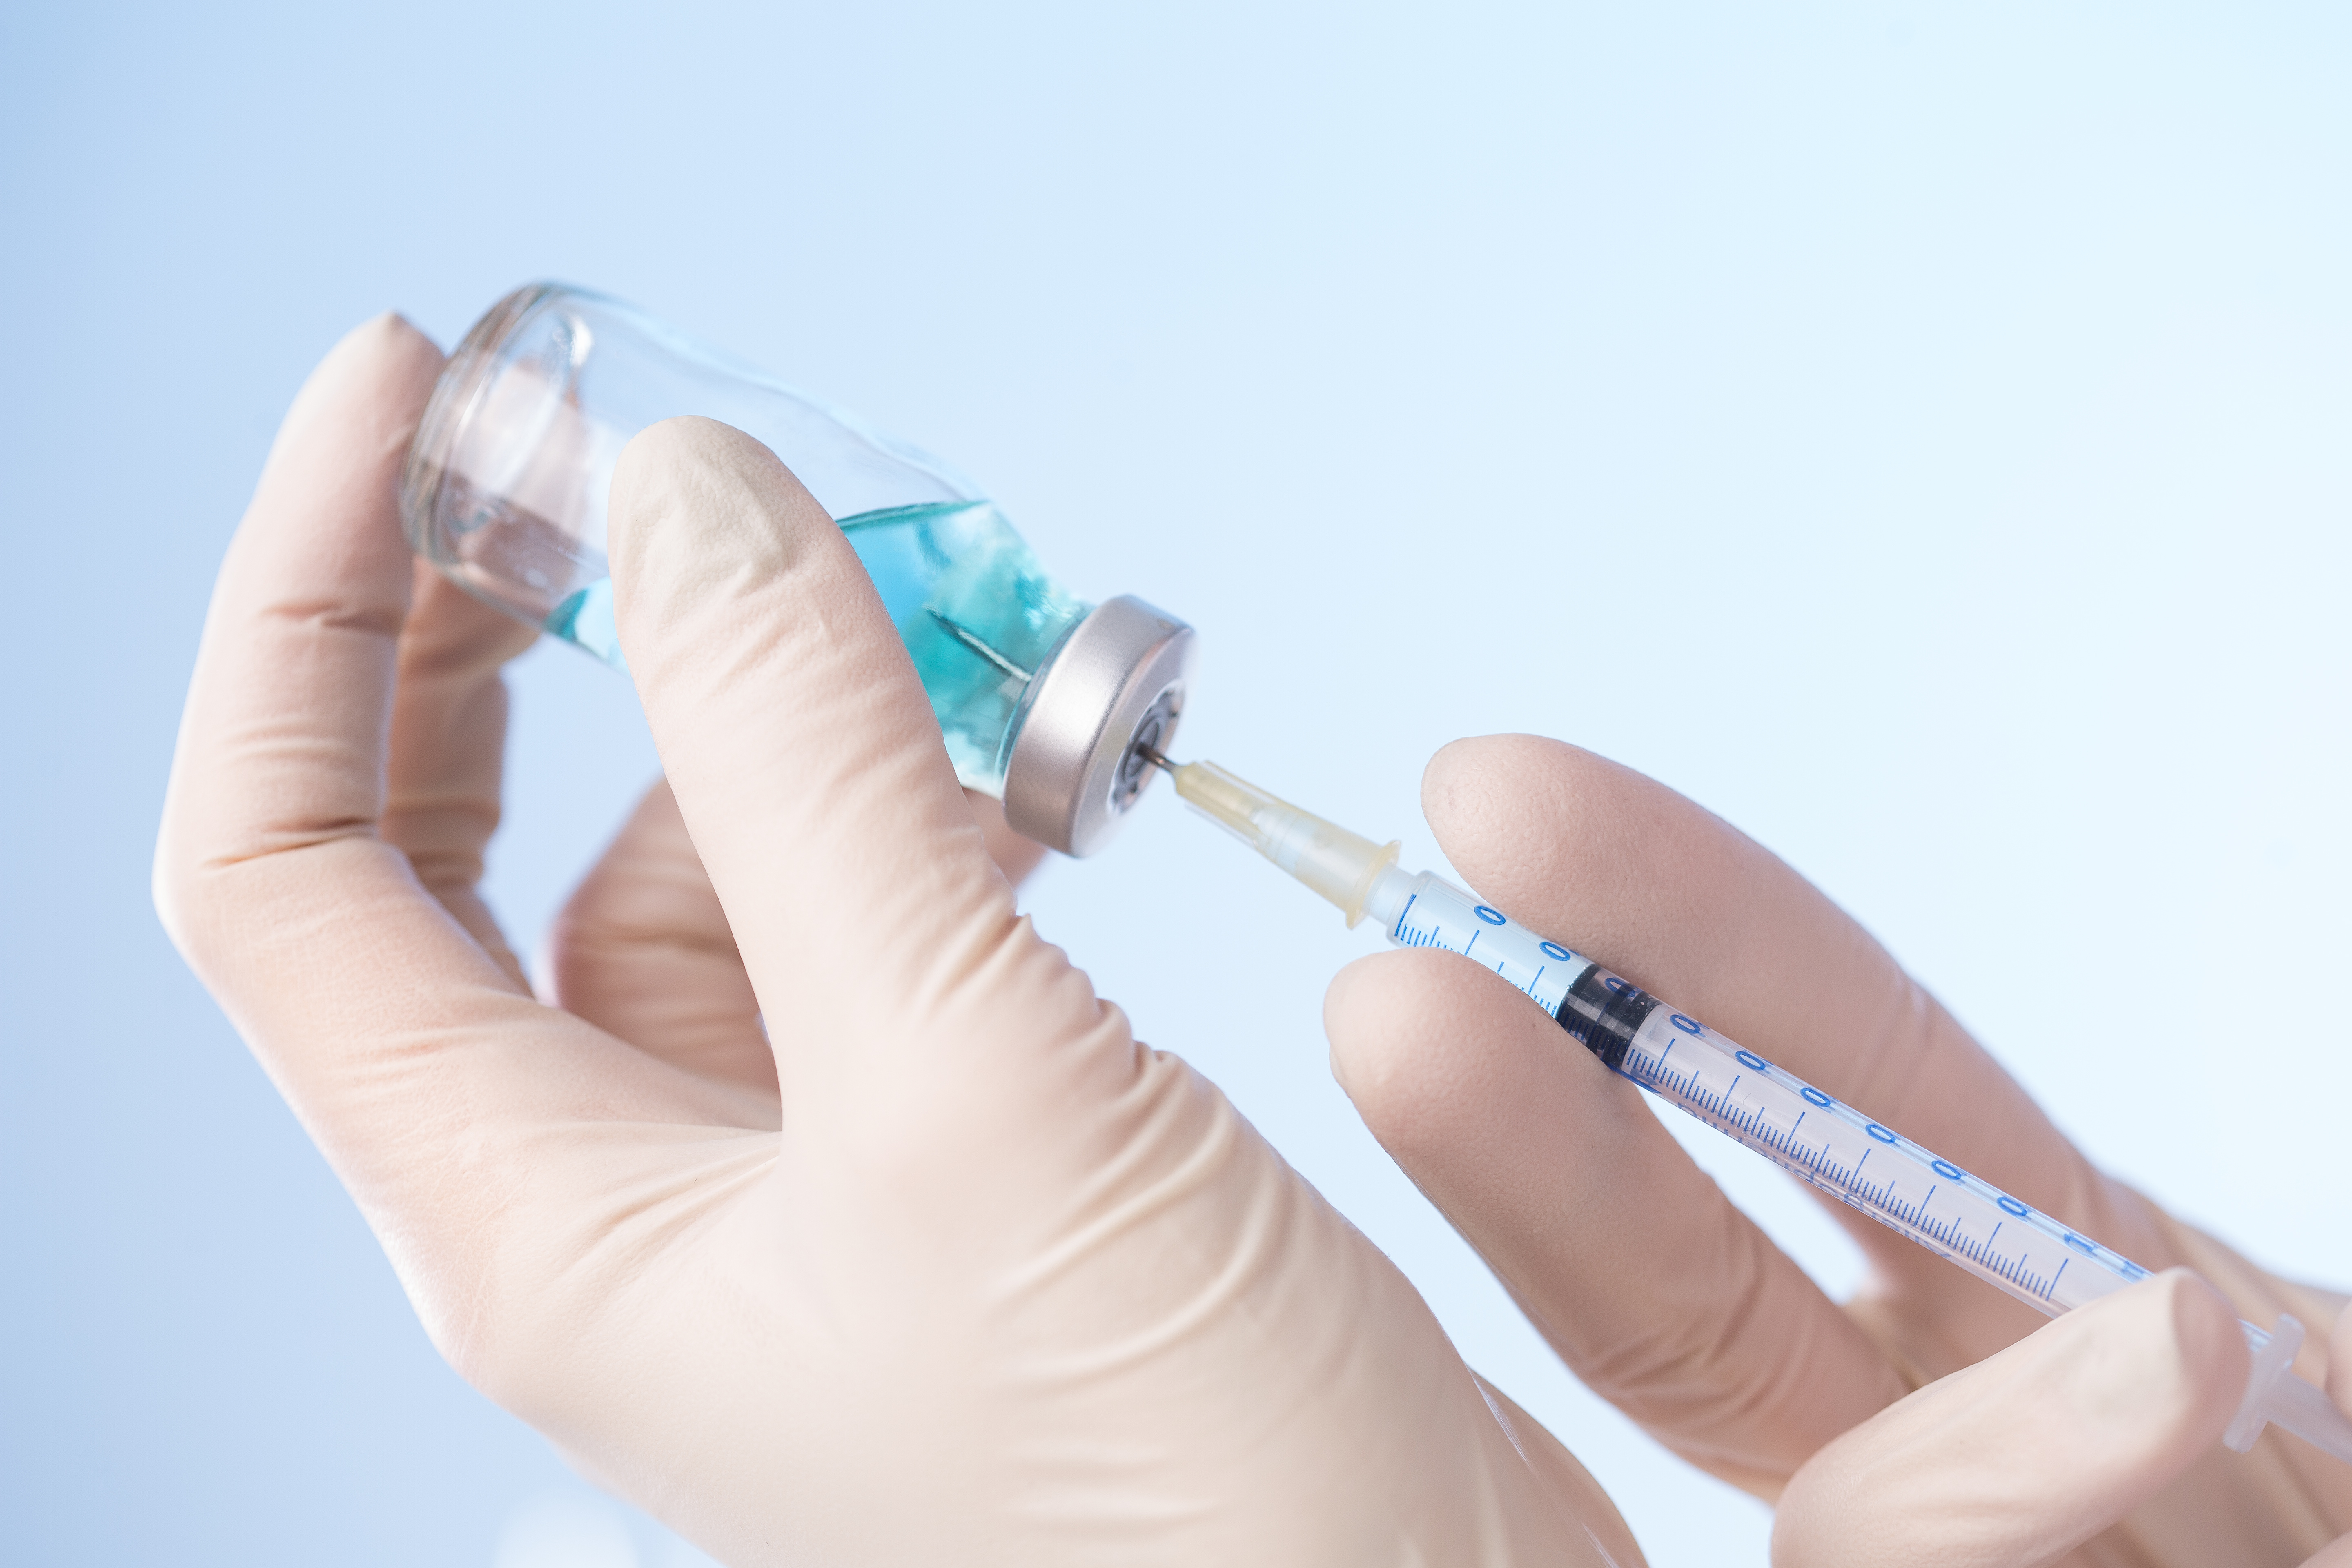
958 1271
1669 1302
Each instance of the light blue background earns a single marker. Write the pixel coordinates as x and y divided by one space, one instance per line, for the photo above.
1919 434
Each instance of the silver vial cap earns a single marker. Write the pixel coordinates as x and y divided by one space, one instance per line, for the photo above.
1116 682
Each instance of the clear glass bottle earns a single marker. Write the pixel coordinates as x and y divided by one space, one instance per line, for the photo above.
1043 698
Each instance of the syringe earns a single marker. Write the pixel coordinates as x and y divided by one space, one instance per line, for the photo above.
1818 1139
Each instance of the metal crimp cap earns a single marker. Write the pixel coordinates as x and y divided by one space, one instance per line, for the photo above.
1116 682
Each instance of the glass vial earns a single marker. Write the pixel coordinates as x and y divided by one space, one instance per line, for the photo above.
1041 698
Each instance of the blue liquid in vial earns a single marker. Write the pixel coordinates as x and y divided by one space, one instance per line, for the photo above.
976 611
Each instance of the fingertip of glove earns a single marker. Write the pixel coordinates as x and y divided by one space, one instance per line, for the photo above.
1355 1021
2213 1353
1465 772
384 351
699 509
669 466
1480 794
387 337
2071 1428
371 388
1416 1041
2159 1368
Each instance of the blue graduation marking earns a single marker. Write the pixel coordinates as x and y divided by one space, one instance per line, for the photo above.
1816 1165
1842 1152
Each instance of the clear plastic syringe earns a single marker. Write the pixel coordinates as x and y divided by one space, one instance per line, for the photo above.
1813 1136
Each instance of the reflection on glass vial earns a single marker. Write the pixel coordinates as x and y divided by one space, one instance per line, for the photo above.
506 488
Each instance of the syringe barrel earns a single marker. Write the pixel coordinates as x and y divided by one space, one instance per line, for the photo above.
1825 1143
1812 1135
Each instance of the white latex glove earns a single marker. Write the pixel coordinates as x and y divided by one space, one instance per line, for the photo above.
964 1275
2105 1415
1668 1301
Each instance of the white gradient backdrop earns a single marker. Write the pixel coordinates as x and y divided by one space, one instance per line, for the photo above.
1918 435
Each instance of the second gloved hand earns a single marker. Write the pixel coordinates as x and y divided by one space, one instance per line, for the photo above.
1666 1299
